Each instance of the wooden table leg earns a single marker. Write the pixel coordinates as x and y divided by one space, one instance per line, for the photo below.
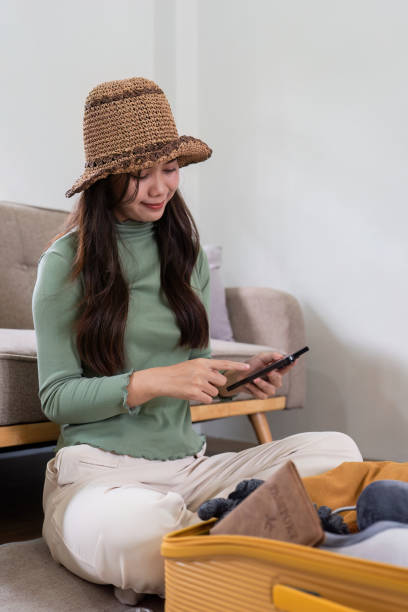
261 427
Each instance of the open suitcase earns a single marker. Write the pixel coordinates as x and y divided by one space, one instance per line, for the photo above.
229 573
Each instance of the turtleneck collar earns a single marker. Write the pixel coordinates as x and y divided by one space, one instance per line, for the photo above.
134 229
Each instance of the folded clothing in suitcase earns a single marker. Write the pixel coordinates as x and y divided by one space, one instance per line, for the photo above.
384 541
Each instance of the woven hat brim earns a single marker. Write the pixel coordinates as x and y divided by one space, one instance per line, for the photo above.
187 149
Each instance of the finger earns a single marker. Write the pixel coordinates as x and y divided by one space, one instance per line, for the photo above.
211 390
265 386
204 398
285 370
269 356
275 378
216 378
225 364
256 391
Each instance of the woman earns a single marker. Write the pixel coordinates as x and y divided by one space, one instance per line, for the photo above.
120 312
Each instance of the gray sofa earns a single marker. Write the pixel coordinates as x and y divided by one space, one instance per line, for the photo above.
261 318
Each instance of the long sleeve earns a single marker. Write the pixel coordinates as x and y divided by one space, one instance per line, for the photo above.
66 395
202 284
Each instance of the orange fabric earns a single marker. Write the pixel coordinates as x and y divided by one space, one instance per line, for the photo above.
343 485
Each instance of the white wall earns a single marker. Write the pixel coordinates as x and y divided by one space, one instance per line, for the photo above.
52 54
175 65
304 105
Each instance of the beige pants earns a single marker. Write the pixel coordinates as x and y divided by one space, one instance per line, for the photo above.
105 514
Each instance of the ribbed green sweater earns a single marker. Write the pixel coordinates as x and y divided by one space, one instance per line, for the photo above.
92 409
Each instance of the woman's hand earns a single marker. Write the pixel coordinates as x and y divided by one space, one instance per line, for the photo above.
260 388
195 379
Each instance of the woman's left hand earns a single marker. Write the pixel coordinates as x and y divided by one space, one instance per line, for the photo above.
260 388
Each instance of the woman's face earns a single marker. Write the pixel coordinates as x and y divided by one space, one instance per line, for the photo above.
157 185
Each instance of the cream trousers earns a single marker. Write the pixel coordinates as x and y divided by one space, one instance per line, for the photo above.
105 514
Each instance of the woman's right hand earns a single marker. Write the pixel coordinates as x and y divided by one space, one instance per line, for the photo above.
195 379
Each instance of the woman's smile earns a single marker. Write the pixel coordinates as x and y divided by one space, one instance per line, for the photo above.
158 182
154 206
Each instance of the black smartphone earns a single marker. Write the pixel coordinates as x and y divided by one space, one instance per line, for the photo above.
278 365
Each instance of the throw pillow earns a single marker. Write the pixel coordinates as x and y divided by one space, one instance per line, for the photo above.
220 326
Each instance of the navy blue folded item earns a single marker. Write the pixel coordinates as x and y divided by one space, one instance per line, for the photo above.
332 521
219 507
383 500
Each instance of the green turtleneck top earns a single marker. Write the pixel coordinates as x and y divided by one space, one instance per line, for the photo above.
93 409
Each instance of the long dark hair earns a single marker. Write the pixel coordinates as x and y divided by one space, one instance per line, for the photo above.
100 325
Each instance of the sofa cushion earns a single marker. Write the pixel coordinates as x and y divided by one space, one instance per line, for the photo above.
19 400
237 351
18 344
25 230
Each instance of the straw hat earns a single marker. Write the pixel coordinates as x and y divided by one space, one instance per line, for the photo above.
128 125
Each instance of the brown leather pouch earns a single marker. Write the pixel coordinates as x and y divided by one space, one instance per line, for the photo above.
279 509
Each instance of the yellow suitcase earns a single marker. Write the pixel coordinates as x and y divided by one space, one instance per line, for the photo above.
229 573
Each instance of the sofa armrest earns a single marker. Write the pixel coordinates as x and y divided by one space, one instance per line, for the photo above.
261 315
